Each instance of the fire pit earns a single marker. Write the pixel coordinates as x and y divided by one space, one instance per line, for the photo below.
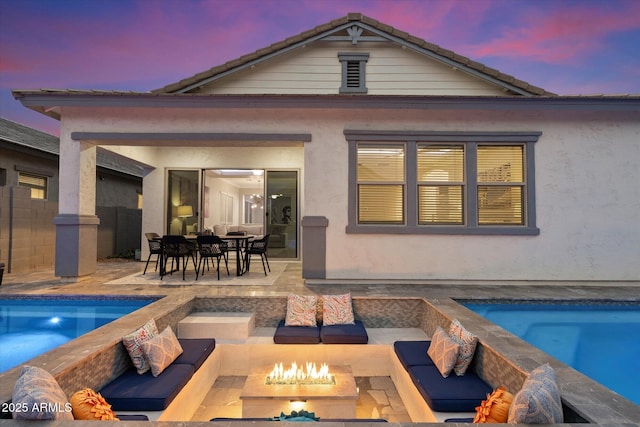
331 393
297 375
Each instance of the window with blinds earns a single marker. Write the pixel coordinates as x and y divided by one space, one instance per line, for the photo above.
381 183
500 189
38 184
440 184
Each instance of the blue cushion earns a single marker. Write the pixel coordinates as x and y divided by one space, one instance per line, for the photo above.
195 351
128 417
452 394
134 392
296 334
344 334
412 353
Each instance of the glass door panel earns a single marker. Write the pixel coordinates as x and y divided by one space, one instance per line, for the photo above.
281 216
183 193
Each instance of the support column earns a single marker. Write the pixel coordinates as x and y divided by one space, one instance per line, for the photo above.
314 247
76 222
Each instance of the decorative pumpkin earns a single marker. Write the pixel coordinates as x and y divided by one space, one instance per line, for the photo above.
86 404
495 409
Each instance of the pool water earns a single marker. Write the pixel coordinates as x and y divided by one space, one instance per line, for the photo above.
601 341
30 327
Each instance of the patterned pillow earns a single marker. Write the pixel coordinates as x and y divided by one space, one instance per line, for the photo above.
495 409
133 341
443 351
337 310
538 402
38 396
301 310
161 350
89 405
467 342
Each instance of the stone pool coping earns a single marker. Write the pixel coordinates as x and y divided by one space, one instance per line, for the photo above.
84 360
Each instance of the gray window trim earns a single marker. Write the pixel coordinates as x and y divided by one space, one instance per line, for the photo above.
471 140
350 57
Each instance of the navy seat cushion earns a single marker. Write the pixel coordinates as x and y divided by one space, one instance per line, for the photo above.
195 351
134 392
451 394
344 334
296 334
412 353
128 417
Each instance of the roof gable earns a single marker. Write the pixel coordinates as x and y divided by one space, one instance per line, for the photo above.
355 29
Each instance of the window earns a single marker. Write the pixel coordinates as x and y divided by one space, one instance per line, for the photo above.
38 184
441 182
353 72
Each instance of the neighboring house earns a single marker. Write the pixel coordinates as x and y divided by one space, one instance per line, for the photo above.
409 162
29 158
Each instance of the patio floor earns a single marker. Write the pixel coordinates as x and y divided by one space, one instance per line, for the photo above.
105 282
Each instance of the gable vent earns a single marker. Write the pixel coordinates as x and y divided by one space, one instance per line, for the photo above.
353 72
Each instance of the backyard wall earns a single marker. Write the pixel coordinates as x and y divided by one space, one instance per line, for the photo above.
28 235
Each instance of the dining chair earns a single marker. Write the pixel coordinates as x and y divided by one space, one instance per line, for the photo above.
155 248
178 249
212 247
257 247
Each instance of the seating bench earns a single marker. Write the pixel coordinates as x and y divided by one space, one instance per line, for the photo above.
451 394
163 397
327 334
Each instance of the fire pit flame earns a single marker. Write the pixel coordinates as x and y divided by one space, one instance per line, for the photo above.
298 375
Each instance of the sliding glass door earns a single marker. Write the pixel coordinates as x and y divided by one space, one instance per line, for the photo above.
281 215
183 193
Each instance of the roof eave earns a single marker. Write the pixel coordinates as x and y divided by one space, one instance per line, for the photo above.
50 101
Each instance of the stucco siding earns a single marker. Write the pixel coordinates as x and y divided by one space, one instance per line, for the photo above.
316 69
586 188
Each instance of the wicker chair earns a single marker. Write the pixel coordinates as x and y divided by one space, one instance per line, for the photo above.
212 247
257 247
178 249
155 248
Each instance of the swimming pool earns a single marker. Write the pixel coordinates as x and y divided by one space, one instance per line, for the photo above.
601 340
31 326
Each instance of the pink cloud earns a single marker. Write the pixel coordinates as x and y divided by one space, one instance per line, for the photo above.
562 35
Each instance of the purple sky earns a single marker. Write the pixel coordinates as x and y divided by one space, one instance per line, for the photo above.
564 46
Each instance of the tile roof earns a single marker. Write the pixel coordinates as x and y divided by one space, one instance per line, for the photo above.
25 136
334 25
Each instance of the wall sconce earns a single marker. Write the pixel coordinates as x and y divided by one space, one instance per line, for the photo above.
184 212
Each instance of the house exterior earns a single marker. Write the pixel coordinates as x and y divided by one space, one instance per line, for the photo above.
29 190
412 163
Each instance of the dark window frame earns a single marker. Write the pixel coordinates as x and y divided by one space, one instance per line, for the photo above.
471 140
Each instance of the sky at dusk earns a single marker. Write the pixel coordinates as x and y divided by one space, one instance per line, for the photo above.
564 46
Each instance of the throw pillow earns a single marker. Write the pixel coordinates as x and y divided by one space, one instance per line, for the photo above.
337 310
161 350
467 342
495 409
89 405
538 402
133 341
301 310
38 396
443 351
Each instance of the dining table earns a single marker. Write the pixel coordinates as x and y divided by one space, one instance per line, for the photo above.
241 240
